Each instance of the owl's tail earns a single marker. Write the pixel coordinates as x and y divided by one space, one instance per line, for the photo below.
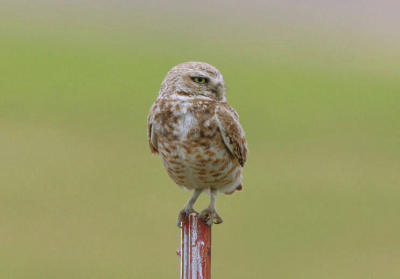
238 188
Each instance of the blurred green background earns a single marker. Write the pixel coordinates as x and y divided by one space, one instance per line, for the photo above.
317 85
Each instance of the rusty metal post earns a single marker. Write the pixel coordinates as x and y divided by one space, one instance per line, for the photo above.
195 249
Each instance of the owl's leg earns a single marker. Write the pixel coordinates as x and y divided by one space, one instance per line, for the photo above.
184 213
210 215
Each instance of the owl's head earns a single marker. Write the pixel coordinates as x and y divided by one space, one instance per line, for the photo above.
193 79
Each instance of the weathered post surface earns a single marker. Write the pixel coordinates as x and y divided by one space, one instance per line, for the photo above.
195 249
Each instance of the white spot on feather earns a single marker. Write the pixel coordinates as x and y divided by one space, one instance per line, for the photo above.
188 122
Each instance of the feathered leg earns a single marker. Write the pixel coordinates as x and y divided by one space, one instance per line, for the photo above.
210 215
184 213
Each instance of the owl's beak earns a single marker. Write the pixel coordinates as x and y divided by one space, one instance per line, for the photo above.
218 89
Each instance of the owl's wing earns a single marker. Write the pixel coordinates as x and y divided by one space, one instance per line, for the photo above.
232 133
151 136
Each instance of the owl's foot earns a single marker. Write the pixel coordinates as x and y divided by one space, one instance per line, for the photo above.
185 212
183 215
210 216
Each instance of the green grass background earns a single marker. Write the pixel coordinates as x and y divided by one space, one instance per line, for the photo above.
81 196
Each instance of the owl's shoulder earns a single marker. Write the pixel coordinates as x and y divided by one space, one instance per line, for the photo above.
232 132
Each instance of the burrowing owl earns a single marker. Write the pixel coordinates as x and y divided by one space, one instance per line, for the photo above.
198 135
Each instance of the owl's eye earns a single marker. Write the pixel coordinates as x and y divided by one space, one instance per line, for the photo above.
201 80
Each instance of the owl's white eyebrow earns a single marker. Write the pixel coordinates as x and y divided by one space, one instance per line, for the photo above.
198 75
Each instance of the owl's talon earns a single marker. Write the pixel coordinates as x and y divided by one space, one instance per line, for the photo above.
218 219
210 217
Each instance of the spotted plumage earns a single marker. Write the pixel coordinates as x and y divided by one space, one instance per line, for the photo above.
198 135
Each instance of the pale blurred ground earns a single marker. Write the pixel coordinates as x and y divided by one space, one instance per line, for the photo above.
316 84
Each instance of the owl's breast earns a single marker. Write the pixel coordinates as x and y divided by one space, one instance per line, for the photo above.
198 162
191 146
181 121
